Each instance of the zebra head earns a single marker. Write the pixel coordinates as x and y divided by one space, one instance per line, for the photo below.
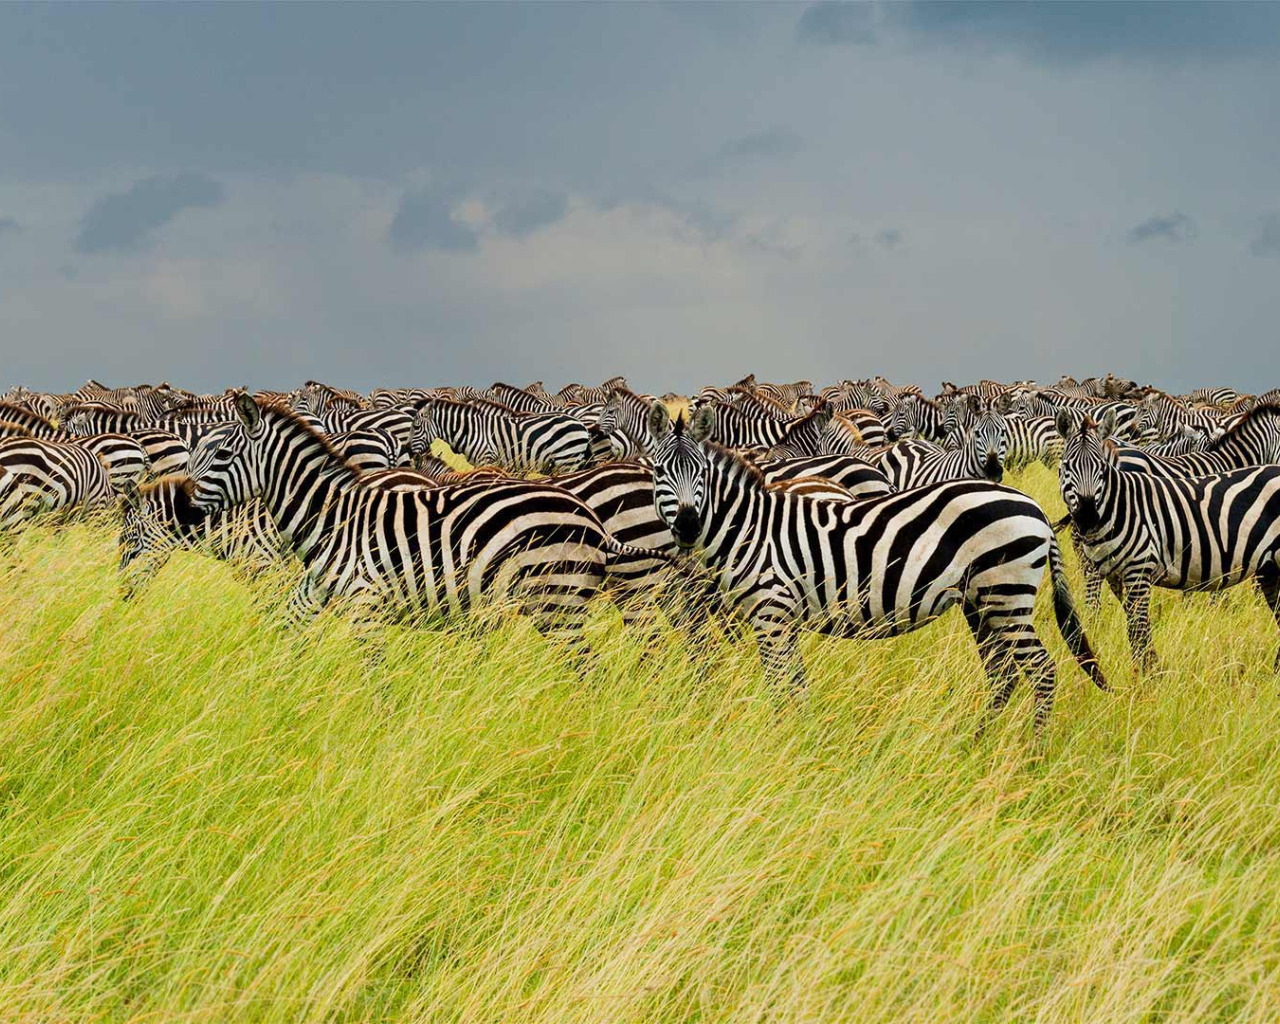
988 439
226 466
423 432
680 470
904 422
1087 465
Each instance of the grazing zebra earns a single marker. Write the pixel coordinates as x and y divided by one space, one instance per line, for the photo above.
1029 440
1214 398
159 518
436 551
1140 531
980 454
877 567
483 432
38 475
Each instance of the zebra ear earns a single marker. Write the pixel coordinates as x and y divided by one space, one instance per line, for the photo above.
704 422
1107 425
1004 403
822 416
1063 422
975 404
248 411
659 421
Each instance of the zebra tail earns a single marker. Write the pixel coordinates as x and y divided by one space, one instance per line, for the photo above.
1064 610
629 560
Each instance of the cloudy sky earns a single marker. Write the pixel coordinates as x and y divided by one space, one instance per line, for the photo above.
426 194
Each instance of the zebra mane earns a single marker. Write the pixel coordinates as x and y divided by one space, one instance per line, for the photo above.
9 429
19 415
93 405
298 423
1267 409
481 403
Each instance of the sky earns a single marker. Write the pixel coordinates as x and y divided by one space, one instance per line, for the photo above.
368 194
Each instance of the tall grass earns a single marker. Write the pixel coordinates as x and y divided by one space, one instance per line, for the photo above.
205 818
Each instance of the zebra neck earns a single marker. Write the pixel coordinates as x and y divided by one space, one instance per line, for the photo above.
735 490
298 490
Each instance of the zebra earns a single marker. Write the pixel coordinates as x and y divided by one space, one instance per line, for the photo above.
878 566
1163 417
917 416
368 449
1046 402
1253 440
436 551
159 518
322 400
857 478
522 400
578 394
980 454
1213 398
1140 531
483 432
1031 439
854 394
821 432
20 422
624 420
39 475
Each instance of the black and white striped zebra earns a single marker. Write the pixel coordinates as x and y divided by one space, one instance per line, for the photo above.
876 567
1140 531
1048 402
483 432
1162 417
858 478
624 420
980 455
158 518
39 475
425 552
915 416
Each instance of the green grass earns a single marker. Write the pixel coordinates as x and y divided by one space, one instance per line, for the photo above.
204 818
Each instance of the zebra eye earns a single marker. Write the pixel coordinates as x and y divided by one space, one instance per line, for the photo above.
223 453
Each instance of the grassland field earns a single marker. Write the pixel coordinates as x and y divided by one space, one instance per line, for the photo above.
205 818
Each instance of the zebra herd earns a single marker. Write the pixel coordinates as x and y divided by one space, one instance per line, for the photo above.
860 509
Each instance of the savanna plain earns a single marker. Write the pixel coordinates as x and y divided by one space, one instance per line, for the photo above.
204 817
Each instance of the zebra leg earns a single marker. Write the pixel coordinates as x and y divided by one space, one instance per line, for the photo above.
1043 674
997 662
1137 610
1092 577
1270 584
305 602
778 640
